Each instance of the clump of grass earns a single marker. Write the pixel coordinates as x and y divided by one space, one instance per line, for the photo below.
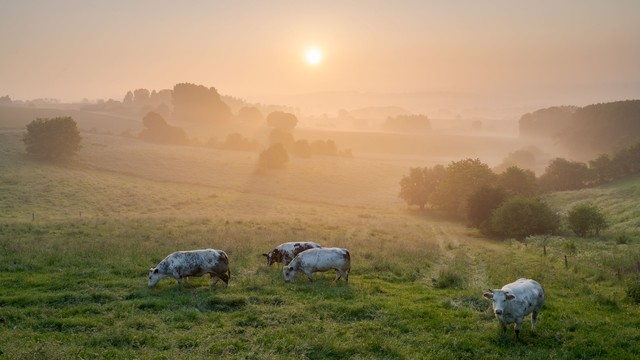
633 289
622 239
448 279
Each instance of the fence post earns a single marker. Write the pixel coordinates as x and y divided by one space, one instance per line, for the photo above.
566 263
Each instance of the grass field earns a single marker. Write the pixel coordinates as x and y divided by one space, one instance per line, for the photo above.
77 239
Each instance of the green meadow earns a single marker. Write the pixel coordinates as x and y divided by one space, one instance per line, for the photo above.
77 240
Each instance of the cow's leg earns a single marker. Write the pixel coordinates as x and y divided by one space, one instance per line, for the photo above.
518 327
308 275
338 275
215 279
534 317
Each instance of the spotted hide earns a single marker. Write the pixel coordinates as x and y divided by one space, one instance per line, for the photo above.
285 252
182 264
515 301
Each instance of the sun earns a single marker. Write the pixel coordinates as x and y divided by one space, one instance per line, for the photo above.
313 55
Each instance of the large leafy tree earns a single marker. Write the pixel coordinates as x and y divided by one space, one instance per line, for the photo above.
461 179
518 181
520 217
482 203
418 187
52 139
562 174
586 219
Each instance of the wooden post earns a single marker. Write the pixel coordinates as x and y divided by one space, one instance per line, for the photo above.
566 263
33 216
544 249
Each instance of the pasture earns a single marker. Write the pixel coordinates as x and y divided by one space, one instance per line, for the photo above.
77 240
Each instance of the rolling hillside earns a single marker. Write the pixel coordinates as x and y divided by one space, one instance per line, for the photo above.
77 239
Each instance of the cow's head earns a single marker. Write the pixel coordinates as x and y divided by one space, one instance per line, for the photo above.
499 299
288 272
154 277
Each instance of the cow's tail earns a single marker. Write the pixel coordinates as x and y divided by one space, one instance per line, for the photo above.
348 257
225 258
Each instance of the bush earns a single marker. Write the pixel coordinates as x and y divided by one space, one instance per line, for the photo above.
586 219
275 157
521 217
52 139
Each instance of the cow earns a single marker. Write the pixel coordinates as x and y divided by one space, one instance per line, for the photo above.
319 259
285 252
182 264
515 301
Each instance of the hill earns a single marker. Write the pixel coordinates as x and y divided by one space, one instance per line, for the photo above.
77 239
588 131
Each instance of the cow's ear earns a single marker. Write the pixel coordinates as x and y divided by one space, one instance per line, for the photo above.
488 296
155 271
510 296
265 255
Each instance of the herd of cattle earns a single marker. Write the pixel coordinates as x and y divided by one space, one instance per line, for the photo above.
511 303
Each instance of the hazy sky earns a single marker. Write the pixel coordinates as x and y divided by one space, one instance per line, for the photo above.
74 49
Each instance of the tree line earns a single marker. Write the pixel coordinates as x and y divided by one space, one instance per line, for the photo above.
586 131
504 205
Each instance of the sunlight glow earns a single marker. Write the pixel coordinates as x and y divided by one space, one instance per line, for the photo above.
313 56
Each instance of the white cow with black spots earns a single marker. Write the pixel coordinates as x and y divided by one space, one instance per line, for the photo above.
182 264
319 259
515 301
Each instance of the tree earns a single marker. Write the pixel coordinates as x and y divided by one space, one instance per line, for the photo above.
586 219
418 187
302 149
520 217
482 203
282 120
157 130
517 181
461 179
199 104
52 139
282 136
328 148
275 157
562 174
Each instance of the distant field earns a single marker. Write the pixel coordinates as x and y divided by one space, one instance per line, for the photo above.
76 241
17 117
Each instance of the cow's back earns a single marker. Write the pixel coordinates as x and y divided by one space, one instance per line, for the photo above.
529 296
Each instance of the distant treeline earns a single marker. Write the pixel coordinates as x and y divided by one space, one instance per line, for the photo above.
586 131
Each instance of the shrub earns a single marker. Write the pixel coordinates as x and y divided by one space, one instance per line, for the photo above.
52 139
275 157
586 219
521 217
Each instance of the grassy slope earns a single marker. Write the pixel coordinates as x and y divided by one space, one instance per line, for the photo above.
74 280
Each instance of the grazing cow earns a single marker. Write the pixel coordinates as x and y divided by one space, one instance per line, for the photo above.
319 259
284 253
515 301
182 264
